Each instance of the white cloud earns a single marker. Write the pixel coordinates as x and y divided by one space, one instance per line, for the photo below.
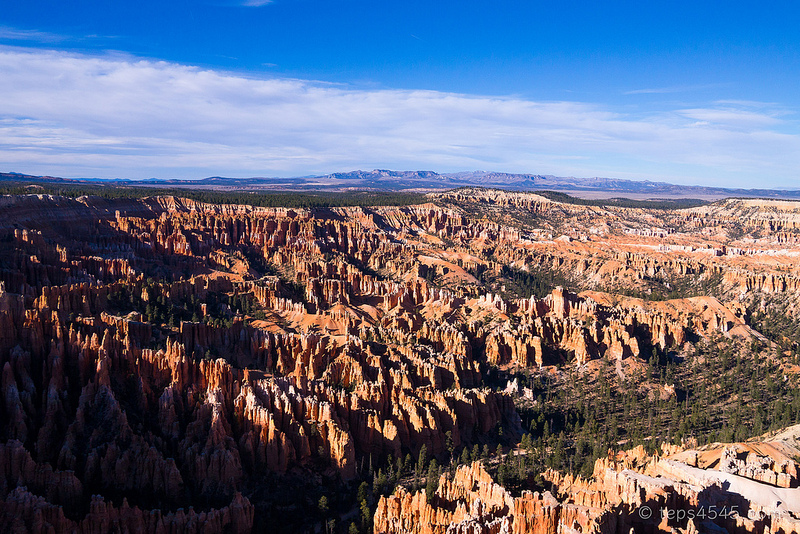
239 3
672 89
738 118
118 116
8 33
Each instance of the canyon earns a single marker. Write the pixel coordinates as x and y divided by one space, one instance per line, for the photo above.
630 491
170 365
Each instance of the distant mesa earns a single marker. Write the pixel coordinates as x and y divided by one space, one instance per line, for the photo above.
388 180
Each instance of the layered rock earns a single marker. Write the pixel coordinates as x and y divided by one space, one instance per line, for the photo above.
629 492
160 354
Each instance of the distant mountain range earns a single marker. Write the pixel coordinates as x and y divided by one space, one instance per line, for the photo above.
388 180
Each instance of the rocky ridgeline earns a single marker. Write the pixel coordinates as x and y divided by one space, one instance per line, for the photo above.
99 406
287 237
627 269
762 214
81 400
697 243
763 468
116 417
588 329
530 202
630 492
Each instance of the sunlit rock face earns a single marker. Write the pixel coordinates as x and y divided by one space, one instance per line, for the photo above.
162 357
177 414
631 491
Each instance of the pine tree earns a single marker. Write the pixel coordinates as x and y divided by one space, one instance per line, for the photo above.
432 482
407 463
464 456
323 505
422 459
380 483
502 475
450 445
366 517
363 492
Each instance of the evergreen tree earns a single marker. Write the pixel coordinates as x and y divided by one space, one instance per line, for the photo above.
422 460
363 492
366 517
432 482
322 505
407 463
464 456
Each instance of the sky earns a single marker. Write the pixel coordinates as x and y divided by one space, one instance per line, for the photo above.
686 92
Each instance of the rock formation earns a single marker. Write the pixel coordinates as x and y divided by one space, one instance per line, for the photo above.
628 492
161 357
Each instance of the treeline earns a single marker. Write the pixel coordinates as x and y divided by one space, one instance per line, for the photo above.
280 199
676 287
729 390
350 508
537 282
159 310
778 322
661 204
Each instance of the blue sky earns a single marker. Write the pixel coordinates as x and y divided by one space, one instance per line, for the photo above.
687 92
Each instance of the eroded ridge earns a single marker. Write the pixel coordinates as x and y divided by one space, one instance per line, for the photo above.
170 365
630 491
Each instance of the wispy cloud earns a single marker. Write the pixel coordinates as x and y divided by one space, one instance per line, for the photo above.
29 37
239 3
672 89
754 104
16 34
732 117
118 116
